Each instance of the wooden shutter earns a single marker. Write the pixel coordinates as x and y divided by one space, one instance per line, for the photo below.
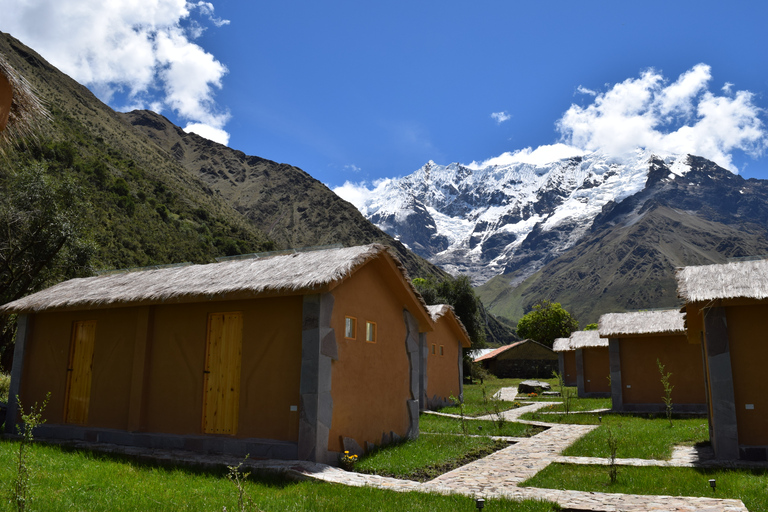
78 394
221 400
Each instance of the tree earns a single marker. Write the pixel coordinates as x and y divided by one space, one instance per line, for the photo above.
546 322
41 238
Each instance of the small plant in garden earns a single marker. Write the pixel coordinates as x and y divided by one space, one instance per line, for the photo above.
238 478
565 393
464 425
20 492
347 461
613 446
667 390
497 410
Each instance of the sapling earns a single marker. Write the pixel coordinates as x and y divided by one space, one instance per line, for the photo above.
667 390
30 420
238 478
613 446
565 392
464 425
498 410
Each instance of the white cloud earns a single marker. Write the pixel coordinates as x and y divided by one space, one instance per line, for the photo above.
356 193
677 118
141 48
542 155
352 167
583 90
209 132
727 87
500 117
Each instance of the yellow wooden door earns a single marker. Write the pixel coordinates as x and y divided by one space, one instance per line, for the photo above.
78 394
221 400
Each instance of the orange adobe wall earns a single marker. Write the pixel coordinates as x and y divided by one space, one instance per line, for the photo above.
570 373
46 360
748 340
370 381
640 370
269 375
597 368
443 369
172 374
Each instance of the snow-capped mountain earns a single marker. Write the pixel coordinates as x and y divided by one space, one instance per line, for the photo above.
506 214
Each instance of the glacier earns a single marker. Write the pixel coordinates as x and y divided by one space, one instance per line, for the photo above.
507 214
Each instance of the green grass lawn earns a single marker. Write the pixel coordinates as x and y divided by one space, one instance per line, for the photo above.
577 404
477 397
639 437
431 423
65 480
428 456
750 486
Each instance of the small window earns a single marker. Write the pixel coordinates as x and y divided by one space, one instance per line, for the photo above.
434 348
441 350
370 332
350 327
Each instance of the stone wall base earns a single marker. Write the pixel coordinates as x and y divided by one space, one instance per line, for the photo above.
254 447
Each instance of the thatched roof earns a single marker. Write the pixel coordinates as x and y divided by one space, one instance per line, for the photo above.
27 112
586 339
743 279
562 345
615 325
298 272
438 311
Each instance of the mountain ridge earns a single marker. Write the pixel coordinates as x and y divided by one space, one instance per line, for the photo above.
592 232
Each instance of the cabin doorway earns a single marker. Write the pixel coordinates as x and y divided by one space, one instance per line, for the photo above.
221 396
79 371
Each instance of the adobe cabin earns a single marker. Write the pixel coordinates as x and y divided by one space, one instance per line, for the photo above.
637 341
443 369
294 356
726 307
592 364
566 360
523 359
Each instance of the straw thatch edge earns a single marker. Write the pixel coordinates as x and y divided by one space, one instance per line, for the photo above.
733 280
27 114
614 325
293 273
438 311
586 339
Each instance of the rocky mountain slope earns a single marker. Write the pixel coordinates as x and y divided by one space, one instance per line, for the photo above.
141 207
594 233
287 204
160 195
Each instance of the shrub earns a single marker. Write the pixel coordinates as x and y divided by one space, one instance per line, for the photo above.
5 387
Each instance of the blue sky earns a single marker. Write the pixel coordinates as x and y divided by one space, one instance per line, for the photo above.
358 91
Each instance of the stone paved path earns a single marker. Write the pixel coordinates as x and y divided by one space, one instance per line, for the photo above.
497 475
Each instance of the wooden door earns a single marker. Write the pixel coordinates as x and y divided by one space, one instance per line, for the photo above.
221 400
78 393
